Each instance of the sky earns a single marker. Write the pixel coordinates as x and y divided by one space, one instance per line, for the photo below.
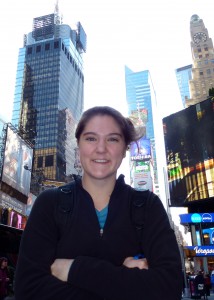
149 35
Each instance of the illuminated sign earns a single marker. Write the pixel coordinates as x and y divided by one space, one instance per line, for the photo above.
201 250
17 154
197 218
189 145
141 149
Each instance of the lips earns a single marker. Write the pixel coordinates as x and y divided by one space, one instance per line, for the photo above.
100 160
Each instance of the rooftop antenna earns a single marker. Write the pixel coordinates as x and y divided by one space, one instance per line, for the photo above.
57 15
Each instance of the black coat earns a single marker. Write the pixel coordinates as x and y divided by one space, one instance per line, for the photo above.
97 272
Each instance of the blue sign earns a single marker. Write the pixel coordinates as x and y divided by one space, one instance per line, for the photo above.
212 237
201 250
197 218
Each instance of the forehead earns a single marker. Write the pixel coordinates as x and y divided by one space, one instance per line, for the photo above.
102 123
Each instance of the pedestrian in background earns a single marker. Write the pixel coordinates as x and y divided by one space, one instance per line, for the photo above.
4 278
207 283
98 256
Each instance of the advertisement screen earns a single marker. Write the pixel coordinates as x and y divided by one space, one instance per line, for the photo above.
141 149
17 155
189 145
139 117
141 178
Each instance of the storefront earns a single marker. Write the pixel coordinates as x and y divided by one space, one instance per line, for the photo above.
199 256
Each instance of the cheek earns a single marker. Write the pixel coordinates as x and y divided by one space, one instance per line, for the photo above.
84 152
120 154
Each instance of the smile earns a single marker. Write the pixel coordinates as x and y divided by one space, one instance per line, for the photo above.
100 160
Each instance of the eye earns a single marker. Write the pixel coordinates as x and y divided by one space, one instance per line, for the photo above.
90 138
113 139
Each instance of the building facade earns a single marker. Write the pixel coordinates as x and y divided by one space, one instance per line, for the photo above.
49 93
203 62
184 75
141 101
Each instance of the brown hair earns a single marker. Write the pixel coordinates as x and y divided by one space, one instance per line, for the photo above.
128 130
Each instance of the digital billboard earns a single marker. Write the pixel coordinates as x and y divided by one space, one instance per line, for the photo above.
141 175
141 149
189 145
17 155
82 37
139 117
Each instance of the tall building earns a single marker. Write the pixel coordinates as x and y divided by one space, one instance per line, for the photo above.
49 93
141 101
2 124
184 75
203 62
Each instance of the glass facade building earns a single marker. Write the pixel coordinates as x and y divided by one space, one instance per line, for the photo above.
141 101
184 75
49 94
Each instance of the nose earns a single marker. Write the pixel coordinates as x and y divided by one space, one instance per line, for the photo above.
101 145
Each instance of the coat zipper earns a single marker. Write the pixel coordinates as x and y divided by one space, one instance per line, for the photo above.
101 232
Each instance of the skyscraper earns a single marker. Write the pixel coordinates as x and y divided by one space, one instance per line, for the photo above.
184 75
203 62
49 93
141 100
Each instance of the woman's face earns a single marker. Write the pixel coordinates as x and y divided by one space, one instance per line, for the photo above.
101 147
4 264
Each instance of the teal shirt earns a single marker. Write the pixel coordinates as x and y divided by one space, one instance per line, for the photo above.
102 215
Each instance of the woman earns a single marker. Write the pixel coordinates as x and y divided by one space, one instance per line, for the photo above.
4 278
96 258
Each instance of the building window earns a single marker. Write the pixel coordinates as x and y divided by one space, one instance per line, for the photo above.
38 48
208 71
201 73
47 47
29 50
200 56
56 45
49 161
206 49
199 49
40 162
207 55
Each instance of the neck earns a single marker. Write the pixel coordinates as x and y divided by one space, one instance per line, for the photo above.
100 190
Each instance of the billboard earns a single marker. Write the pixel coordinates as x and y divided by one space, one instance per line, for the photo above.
189 144
82 37
197 218
17 155
7 201
139 117
141 175
140 150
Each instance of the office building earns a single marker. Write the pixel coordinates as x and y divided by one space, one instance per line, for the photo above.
203 62
49 93
184 75
141 101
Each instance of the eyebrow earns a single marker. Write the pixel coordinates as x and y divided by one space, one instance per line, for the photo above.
94 133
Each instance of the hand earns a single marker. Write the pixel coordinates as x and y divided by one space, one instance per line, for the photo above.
131 262
60 268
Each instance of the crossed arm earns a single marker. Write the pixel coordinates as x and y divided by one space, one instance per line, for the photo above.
60 268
